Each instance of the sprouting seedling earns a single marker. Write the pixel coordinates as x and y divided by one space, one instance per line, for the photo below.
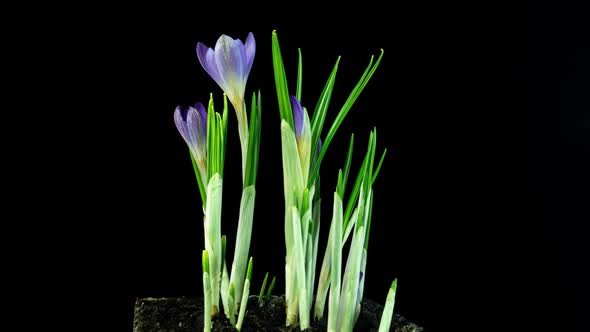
270 288
262 288
388 308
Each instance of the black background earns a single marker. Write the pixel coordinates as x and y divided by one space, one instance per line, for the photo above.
480 207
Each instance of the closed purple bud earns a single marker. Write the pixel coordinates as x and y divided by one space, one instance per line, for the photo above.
298 116
192 126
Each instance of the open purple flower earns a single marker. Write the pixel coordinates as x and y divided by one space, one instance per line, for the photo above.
229 65
192 125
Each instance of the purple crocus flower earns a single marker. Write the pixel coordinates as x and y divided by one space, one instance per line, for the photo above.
298 116
302 135
192 125
229 65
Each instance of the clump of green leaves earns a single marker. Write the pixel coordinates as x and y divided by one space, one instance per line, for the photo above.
300 135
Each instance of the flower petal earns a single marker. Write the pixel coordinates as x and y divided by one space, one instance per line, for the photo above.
203 113
250 46
179 120
206 57
297 115
198 123
192 123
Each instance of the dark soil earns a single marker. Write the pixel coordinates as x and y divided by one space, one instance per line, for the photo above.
183 314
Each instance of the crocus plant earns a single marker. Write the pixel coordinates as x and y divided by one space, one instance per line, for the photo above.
303 149
205 133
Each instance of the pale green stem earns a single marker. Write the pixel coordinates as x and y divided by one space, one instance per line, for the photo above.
207 296
300 270
240 261
323 282
362 284
225 291
335 246
290 275
231 304
314 250
212 227
242 116
291 292
348 296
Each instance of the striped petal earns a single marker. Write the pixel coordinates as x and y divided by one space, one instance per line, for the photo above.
206 57
250 53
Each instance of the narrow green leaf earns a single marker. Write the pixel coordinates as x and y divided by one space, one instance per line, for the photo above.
319 115
359 180
376 172
257 137
224 132
219 144
347 164
281 82
352 222
299 76
202 190
271 287
321 109
366 176
340 184
253 142
251 138
210 136
262 288
369 213
344 111
351 202
373 149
